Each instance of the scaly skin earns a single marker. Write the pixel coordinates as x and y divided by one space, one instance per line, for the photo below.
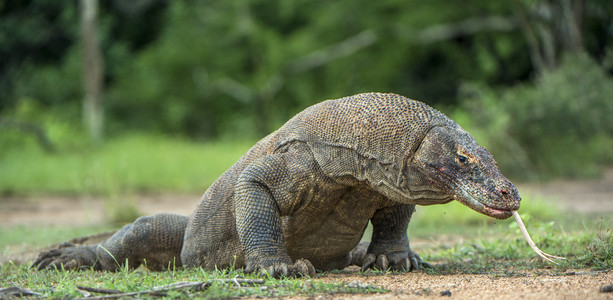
300 199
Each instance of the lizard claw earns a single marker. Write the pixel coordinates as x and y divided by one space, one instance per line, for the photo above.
384 262
300 268
67 256
417 263
44 259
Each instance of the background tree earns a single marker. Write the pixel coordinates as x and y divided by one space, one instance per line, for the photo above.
93 66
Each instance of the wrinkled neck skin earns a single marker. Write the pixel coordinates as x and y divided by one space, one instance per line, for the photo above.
414 188
426 191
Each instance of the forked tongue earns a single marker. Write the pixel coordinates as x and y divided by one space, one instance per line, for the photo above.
538 251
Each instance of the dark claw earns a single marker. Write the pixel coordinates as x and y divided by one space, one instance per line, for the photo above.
417 263
279 270
425 265
368 262
393 262
304 268
300 268
414 263
54 265
382 262
45 258
66 256
43 263
72 264
402 266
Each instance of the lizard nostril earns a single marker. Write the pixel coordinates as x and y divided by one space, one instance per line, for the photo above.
504 192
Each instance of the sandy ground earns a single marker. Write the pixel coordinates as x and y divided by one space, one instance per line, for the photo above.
581 196
533 285
584 197
80 211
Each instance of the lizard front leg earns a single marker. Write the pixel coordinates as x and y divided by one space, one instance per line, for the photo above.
389 247
258 219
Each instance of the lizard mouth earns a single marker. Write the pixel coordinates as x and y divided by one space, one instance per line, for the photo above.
497 213
469 200
465 197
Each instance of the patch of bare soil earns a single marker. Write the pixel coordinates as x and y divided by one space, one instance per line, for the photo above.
579 196
533 285
582 196
83 210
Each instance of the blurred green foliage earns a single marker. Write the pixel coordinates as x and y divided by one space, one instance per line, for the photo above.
238 69
125 165
226 67
560 125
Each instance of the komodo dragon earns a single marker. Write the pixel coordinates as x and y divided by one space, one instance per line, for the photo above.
301 198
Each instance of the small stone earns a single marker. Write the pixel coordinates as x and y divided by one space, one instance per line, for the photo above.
446 293
606 288
357 284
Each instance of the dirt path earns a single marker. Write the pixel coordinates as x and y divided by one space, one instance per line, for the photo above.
82 210
582 196
532 285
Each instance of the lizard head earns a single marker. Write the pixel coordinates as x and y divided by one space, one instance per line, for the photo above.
451 160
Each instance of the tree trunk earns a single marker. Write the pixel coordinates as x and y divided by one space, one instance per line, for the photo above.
93 65
552 28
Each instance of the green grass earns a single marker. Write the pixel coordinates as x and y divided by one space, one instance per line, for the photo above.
136 163
60 284
509 254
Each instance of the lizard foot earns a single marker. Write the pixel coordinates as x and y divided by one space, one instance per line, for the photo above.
394 262
300 268
68 256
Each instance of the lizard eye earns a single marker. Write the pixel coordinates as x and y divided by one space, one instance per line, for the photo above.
463 159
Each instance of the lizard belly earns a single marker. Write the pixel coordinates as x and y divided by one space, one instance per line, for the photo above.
333 232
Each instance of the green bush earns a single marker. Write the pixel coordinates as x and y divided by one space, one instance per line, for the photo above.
61 127
559 126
